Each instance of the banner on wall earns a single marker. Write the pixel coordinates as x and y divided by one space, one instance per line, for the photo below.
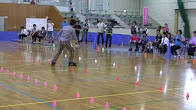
145 16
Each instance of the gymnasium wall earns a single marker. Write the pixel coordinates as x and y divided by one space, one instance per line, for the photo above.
162 11
116 5
17 14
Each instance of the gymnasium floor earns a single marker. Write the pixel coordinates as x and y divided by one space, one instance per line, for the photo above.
176 77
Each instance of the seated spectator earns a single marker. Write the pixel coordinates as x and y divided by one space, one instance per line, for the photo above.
177 43
134 41
32 2
164 44
169 36
42 34
158 39
192 46
22 34
144 40
34 33
166 28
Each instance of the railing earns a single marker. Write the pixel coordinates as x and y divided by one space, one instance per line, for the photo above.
126 13
95 11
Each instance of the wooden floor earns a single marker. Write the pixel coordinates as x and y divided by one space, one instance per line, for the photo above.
176 77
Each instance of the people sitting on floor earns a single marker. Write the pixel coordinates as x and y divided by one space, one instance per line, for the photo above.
143 41
134 41
192 45
164 44
22 34
42 34
157 42
177 43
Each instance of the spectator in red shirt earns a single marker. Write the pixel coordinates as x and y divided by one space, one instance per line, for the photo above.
32 2
166 28
134 41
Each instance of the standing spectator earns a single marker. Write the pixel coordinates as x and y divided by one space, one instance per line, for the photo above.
50 29
71 7
22 34
86 27
177 43
192 46
32 2
166 28
134 41
77 28
64 22
109 34
134 28
101 26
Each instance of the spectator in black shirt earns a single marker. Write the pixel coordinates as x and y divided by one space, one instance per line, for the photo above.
86 26
109 34
77 27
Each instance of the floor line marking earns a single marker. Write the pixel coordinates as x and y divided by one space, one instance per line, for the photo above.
103 96
30 96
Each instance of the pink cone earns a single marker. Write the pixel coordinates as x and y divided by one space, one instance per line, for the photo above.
78 95
7 71
55 88
72 68
124 108
14 74
107 105
36 81
54 103
31 59
137 83
92 100
45 84
22 57
2 69
28 78
187 96
119 67
118 79
160 88
49 63
60 65
40 61
21 76
85 72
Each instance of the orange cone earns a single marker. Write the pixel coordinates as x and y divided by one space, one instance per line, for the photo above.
154 56
145 55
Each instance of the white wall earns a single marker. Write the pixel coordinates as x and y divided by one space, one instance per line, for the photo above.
115 5
162 11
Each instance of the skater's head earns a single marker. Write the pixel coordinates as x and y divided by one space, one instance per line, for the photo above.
72 22
49 21
144 33
100 20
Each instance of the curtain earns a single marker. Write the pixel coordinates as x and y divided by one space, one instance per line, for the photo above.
184 19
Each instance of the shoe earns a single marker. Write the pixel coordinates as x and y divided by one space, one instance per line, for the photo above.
52 64
72 64
130 49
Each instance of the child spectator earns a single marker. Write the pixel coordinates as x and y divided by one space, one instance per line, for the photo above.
134 41
22 34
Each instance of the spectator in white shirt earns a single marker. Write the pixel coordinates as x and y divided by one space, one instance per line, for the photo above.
164 44
50 29
101 26
22 34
